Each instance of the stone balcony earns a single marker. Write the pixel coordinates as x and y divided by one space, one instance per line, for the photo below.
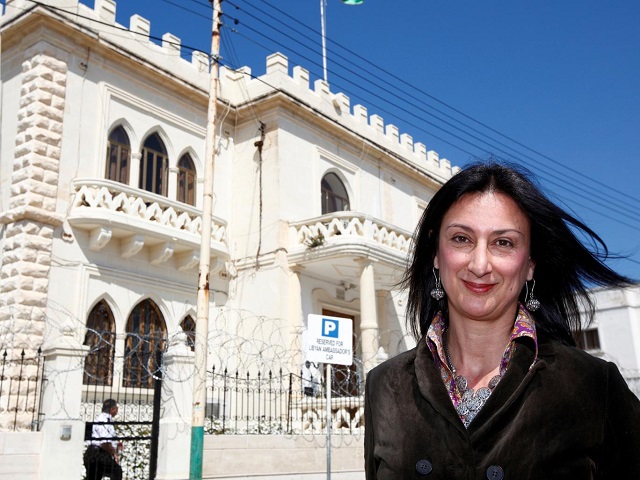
328 246
137 219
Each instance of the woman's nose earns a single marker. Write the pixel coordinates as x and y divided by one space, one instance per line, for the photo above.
479 263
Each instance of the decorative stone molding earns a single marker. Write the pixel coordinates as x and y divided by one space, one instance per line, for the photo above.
99 198
340 225
31 216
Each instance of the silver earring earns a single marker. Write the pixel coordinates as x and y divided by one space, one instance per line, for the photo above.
530 301
437 292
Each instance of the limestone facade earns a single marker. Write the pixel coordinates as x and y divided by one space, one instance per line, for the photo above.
315 202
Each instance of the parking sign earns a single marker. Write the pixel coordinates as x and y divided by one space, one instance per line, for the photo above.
329 340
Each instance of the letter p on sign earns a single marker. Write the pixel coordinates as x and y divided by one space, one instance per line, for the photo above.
329 328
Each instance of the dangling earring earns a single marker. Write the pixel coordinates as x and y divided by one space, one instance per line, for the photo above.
530 301
437 292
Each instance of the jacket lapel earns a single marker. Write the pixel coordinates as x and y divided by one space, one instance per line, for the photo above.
521 371
432 387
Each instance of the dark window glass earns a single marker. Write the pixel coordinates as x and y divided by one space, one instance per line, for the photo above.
334 195
188 326
118 154
154 166
144 344
100 338
186 180
588 339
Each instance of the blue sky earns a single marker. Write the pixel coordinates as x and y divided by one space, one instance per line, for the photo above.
557 82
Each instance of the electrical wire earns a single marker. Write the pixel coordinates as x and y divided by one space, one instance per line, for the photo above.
606 202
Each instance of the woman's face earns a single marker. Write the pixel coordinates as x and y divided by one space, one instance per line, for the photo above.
483 256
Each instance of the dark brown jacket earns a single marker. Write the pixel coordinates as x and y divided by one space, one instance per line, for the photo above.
569 416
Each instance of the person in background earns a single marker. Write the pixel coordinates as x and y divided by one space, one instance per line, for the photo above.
496 388
101 456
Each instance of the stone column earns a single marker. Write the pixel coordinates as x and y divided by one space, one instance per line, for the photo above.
368 315
31 218
62 426
174 444
384 330
134 174
172 187
296 320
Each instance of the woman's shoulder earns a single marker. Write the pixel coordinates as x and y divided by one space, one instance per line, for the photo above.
570 358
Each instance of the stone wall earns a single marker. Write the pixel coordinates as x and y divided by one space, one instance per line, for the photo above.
20 455
31 218
279 457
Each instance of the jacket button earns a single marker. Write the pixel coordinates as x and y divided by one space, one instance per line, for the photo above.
423 467
494 472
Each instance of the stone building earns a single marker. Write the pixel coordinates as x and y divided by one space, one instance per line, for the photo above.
102 149
103 139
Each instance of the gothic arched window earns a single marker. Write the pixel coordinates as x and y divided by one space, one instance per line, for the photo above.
186 180
143 346
118 156
188 325
100 338
154 166
334 195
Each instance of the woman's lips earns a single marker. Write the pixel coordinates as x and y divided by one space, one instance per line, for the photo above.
479 287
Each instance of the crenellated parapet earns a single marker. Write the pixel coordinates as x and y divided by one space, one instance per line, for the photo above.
237 86
133 39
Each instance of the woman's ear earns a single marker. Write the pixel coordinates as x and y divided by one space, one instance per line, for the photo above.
532 267
435 261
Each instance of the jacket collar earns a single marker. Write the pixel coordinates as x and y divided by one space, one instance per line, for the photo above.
523 367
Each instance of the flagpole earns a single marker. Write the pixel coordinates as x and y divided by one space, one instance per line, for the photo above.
323 23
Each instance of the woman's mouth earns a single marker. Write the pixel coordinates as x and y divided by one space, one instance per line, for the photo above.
479 287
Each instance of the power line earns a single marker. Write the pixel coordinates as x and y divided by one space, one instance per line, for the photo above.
577 187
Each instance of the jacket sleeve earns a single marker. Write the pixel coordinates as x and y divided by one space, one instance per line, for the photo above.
621 458
370 467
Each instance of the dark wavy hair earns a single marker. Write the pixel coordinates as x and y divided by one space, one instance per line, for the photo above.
564 266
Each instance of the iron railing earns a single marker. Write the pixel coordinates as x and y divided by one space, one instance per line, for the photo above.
282 403
21 381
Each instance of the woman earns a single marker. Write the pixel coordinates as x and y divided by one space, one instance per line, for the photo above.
496 387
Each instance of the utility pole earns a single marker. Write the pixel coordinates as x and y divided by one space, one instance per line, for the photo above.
202 318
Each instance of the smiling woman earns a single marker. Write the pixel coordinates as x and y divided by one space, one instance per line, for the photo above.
496 387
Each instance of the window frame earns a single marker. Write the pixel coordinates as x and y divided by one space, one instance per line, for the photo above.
122 153
158 162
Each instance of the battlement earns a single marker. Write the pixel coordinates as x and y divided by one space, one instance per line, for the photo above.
101 19
238 86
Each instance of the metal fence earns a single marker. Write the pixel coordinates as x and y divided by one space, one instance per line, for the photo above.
138 419
283 403
21 379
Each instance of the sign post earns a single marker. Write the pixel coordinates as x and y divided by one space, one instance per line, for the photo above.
329 340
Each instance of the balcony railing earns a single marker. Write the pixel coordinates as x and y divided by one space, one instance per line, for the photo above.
99 202
349 226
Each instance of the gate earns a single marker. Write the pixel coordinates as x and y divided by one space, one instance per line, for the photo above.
136 425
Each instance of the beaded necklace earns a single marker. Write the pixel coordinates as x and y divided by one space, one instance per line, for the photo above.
470 401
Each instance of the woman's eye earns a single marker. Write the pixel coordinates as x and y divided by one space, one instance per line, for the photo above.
503 242
460 239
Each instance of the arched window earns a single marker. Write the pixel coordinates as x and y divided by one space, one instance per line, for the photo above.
186 180
154 166
334 195
100 338
143 345
118 156
188 325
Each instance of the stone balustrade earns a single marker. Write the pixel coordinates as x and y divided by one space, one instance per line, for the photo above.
103 206
322 230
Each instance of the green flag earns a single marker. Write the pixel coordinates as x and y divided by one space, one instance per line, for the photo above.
353 2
